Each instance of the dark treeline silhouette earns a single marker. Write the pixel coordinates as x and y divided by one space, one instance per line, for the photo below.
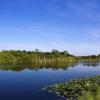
91 58
35 57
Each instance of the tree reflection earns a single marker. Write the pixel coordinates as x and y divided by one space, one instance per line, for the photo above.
53 66
91 64
39 66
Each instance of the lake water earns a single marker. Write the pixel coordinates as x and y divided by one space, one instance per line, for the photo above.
26 83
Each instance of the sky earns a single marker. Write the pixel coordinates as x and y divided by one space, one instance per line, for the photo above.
72 25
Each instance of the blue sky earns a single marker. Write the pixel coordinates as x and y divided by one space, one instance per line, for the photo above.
72 25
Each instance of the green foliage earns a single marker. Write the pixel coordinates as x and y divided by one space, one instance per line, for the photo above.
91 58
78 89
34 57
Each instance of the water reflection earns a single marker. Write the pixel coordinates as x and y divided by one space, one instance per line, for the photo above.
91 64
53 66
20 84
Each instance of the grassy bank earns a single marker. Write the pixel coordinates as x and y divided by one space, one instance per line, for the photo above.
42 58
35 57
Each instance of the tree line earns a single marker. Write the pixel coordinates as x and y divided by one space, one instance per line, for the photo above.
39 57
35 57
91 58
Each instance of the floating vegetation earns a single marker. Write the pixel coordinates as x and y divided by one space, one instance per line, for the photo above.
75 89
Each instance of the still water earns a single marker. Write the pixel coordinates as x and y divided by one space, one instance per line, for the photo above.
26 83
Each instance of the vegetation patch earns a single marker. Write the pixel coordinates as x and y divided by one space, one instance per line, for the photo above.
77 89
35 57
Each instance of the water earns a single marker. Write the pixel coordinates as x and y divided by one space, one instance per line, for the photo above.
23 83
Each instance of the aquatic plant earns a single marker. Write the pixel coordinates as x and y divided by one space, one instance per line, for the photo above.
77 89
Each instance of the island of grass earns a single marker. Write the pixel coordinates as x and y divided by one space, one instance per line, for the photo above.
78 89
